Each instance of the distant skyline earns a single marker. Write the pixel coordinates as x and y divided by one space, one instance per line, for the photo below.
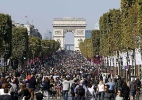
41 13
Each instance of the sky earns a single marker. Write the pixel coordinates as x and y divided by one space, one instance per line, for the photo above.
41 13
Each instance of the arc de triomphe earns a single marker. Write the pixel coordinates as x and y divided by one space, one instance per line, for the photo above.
69 24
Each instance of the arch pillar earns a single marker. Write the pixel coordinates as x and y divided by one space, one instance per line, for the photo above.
70 24
79 36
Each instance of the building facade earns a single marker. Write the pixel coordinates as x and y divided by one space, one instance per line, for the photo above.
47 35
32 31
88 34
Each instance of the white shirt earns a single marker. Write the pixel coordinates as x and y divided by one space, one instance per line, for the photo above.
2 92
66 85
101 87
91 90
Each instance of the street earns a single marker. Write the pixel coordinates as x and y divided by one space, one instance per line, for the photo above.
69 98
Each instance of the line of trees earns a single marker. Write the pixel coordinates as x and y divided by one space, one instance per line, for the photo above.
15 40
120 30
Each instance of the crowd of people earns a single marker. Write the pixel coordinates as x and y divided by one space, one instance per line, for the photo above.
67 74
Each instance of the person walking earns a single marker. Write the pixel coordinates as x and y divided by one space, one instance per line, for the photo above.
74 84
13 90
100 89
39 96
125 91
133 88
111 86
6 95
119 95
32 84
106 95
91 92
66 87
24 93
80 91
46 86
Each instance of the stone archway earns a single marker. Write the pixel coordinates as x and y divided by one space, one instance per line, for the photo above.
63 25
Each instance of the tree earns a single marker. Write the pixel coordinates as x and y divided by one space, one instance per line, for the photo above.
5 34
19 42
95 36
110 32
82 48
139 21
35 47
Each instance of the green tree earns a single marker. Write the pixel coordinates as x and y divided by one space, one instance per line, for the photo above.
48 47
19 42
5 34
82 48
35 47
139 20
95 36
129 24
110 32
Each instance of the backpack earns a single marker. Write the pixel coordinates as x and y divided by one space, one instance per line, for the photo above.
72 88
80 90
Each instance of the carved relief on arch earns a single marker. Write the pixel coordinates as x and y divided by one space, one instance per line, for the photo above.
65 31
79 32
58 33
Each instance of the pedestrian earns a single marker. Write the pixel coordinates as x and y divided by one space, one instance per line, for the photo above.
106 95
6 95
80 91
91 92
119 95
66 87
133 88
100 89
111 86
125 91
74 84
32 84
13 90
46 86
24 93
39 96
